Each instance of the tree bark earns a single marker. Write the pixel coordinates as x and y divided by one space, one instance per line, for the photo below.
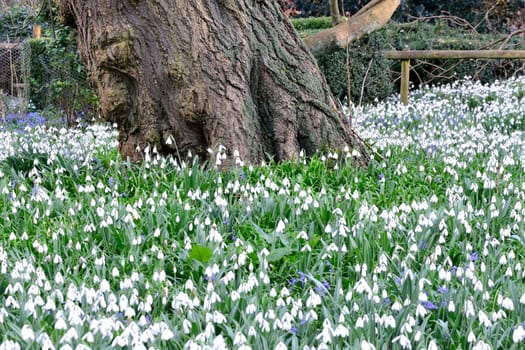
370 18
185 76
334 12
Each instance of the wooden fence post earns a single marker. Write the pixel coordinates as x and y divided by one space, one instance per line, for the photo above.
37 31
406 56
405 80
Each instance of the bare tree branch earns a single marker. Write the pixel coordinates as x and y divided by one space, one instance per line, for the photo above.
370 18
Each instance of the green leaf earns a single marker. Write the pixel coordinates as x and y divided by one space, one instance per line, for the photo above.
199 253
278 254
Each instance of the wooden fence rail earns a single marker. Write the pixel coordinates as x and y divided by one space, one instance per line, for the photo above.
406 56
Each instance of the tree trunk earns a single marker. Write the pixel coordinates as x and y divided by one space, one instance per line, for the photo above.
185 76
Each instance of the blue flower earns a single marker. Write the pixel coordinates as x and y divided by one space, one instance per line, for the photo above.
442 289
322 290
429 305
474 256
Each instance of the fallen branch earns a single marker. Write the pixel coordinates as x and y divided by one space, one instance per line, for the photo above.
370 18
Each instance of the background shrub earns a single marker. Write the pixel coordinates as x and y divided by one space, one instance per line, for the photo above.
383 77
366 62
59 79
439 35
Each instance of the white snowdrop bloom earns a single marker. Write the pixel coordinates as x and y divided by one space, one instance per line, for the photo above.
362 286
522 299
422 297
390 321
403 341
165 333
445 275
484 319
396 306
313 300
421 311
507 304
469 309
186 326
367 346
302 235
59 279
417 336
27 333
9 345
481 345
115 272
471 338
252 332
281 346
60 324
498 315
518 335
341 331
3 315
503 259
251 309
432 345
360 322
280 226
326 333
70 335
451 306
239 339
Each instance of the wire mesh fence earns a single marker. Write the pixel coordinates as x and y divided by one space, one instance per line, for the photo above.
59 81
44 75
15 63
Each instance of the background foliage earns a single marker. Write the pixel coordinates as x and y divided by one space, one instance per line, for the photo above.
383 75
488 15
58 80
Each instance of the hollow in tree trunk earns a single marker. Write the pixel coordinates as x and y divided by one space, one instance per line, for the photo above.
186 76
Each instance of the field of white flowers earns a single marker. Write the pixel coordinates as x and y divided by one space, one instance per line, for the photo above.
425 249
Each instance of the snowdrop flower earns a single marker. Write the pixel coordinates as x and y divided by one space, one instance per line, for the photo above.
471 338
522 299
432 345
281 346
469 309
280 226
481 345
341 331
27 333
518 335
417 336
403 341
451 306
326 333
507 304
484 319
239 339
367 346
9 345
420 311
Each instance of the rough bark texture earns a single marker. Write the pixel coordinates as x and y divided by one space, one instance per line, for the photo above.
370 18
205 73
